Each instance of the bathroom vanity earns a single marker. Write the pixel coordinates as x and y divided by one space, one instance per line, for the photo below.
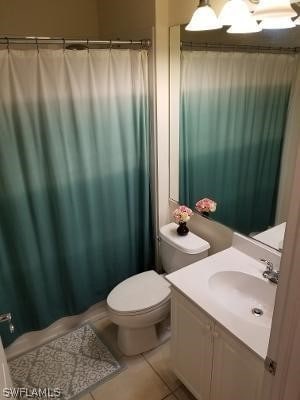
219 342
210 362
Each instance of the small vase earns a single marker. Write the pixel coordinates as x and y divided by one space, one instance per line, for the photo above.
205 214
182 229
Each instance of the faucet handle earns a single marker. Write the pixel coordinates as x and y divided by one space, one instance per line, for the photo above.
268 263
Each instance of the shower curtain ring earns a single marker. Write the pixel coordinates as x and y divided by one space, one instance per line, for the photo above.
87 45
110 44
64 44
7 44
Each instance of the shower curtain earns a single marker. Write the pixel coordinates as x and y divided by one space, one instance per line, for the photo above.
74 180
233 116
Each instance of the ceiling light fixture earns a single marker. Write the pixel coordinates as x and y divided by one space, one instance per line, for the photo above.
237 14
204 18
277 23
245 25
273 9
232 11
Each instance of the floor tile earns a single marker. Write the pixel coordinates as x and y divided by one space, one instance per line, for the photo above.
137 382
159 359
183 394
170 397
86 396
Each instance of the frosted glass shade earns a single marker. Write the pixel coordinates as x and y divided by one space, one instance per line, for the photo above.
245 25
203 19
274 8
277 23
232 11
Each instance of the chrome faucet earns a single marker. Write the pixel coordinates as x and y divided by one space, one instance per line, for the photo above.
7 318
270 273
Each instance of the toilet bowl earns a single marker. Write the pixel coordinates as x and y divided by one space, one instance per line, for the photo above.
138 304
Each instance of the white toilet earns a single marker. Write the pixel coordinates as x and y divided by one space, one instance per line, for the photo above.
138 304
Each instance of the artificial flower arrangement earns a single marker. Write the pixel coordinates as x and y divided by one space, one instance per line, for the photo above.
205 206
182 215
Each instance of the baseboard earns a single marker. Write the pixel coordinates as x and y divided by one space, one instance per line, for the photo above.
33 339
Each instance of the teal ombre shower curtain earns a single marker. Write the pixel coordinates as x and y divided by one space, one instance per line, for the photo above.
233 116
74 180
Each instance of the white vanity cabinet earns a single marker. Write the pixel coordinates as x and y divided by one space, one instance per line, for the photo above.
237 373
210 362
191 345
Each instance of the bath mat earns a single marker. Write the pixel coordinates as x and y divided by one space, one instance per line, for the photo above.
65 367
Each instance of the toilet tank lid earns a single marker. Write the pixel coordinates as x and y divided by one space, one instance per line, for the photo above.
190 244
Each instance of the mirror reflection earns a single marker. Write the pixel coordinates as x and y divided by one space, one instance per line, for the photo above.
234 126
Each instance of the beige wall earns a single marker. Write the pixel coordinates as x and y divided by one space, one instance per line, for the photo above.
161 47
67 18
130 19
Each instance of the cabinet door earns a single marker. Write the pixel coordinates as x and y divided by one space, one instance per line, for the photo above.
237 372
191 346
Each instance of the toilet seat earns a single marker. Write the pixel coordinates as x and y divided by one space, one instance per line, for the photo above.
139 294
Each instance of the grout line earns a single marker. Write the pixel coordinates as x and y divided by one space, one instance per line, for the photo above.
170 394
157 374
91 394
161 378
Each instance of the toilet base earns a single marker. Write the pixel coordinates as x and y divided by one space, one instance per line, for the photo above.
133 341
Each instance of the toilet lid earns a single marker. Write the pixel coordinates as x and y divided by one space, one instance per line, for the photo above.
139 292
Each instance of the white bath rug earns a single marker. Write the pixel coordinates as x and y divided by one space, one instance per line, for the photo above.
64 367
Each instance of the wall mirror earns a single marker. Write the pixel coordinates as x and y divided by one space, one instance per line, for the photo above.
234 125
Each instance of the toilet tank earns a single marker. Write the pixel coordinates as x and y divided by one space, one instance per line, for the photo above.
178 251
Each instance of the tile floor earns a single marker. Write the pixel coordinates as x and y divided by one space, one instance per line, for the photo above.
147 377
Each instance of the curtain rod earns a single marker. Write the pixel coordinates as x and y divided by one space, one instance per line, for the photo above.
40 40
241 48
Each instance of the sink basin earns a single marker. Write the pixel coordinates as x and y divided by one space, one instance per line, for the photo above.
244 295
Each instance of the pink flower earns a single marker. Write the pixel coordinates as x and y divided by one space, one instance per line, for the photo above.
182 214
206 205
